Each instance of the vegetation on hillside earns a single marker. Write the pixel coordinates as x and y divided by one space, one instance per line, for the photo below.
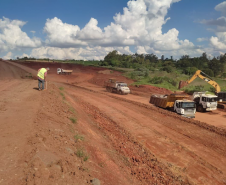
164 72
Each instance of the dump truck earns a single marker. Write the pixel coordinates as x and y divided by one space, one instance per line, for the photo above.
205 102
115 86
175 102
63 71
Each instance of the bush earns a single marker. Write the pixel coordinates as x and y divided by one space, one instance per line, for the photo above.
140 72
168 69
223 75
73 120
209 72
193 89
160 80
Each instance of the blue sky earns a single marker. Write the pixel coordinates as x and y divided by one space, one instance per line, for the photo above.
90 29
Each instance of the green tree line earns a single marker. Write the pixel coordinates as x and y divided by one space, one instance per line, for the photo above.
215 67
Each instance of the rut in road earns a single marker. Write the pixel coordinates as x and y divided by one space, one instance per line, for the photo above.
188 150
211 128
143 165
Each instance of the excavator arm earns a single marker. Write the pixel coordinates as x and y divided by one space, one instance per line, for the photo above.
203 76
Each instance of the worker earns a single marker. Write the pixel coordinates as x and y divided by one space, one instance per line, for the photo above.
42 74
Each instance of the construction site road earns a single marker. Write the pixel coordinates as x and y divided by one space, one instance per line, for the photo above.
128 141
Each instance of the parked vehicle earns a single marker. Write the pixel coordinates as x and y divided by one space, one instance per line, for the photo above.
205 102
63 71
115 86
221 95
176 102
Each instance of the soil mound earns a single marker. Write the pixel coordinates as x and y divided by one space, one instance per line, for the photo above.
9 71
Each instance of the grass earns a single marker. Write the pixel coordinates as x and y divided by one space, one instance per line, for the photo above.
63 96
200 85
61 88
71 129
176 76
79 137
71 109
81 154
73 120
102 164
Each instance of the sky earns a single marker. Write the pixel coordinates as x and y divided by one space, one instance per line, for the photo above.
90 29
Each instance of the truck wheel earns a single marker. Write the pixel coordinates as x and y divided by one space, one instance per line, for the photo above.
111 89
120 92
200 108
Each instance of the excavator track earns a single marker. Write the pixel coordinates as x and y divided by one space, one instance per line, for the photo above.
221 106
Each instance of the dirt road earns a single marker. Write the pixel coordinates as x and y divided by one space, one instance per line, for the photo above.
117 139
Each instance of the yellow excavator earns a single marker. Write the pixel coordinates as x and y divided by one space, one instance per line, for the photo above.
206 78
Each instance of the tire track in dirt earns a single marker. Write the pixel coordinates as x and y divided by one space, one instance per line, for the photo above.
143 165
211 128
188 135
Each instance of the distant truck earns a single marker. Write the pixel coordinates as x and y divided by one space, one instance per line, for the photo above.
176 102
114 86
205 102
63 71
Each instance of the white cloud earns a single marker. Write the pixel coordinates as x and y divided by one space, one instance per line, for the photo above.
8 56
221 7
221 21
88 53
217 44
91 31
61 34
12 37
24 55
201 39
139 25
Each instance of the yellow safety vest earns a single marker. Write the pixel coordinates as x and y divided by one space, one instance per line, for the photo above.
41 73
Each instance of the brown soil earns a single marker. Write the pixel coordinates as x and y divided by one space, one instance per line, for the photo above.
114 138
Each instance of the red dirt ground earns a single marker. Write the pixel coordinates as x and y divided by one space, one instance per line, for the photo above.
127 140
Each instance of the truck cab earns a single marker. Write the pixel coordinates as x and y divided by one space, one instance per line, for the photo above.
115 86
122 88
59 71
205 102
186 108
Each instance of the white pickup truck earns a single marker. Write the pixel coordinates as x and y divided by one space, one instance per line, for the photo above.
63 71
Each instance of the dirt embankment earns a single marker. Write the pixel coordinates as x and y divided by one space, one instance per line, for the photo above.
76 131
94 75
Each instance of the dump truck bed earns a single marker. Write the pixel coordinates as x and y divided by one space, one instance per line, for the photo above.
67 71
166 101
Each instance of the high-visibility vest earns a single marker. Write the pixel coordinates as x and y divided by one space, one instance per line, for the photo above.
41 73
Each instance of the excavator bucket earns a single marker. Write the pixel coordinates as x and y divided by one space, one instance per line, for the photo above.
182 84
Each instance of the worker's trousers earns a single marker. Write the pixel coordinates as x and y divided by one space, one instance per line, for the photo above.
41 82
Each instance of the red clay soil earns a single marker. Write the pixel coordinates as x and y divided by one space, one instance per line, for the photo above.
95 75
116 139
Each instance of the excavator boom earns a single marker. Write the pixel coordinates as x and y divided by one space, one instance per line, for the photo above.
203 76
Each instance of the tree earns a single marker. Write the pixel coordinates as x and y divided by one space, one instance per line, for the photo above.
216 66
